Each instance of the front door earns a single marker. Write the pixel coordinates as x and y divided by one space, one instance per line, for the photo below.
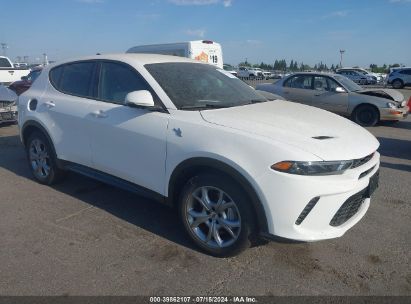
326 97
127 142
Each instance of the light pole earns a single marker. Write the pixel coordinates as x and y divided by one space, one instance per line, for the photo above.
4 47
341 57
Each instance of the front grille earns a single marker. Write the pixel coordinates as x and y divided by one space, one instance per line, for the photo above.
359 162
349 208
306 210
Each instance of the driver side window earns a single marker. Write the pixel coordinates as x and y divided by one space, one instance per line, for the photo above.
117 80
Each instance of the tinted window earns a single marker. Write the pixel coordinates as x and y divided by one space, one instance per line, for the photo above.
299 82
74 78
4 63
406 72
55 76
117 80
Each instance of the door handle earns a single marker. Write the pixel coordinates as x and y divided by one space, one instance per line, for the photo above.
99 114
50 104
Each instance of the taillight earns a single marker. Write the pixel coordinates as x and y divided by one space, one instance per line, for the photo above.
409 105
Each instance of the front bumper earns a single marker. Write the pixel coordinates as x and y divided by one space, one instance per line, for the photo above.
8 114
286 197
394 114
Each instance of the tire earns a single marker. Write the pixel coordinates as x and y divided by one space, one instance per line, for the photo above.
366 116
42 160
397 84
211 200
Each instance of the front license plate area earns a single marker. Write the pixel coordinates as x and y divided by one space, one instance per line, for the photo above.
373 185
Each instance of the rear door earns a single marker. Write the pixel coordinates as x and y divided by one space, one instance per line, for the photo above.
65 107
298 88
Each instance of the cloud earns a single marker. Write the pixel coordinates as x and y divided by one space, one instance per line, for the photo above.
340 14
225 3
197 33
91 1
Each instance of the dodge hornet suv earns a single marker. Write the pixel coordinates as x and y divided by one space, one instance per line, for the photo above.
236 166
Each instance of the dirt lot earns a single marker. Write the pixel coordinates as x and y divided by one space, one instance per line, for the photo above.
85 238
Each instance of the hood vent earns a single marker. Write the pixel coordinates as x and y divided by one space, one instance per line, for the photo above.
322 137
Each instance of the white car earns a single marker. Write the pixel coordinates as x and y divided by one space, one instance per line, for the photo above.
250 73
191 135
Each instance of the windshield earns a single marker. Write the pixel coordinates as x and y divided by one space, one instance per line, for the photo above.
195 85
348 83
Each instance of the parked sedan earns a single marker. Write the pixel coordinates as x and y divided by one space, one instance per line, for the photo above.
25 83
340 95
235 165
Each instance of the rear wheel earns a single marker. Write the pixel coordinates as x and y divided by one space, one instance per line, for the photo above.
216 215
42 160
397 84
366 115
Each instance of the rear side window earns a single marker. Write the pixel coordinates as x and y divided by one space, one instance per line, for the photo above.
74 78
117 80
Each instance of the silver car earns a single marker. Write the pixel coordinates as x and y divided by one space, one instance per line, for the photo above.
8 108
340 95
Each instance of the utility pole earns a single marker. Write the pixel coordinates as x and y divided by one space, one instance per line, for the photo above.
4 47
341 57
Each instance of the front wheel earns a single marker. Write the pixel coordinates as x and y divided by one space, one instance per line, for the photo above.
216 215
366 116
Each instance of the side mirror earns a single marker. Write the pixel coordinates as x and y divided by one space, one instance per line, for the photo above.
340 90
141 99
24 78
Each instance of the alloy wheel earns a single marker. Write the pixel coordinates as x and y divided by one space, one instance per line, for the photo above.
213 217
39 159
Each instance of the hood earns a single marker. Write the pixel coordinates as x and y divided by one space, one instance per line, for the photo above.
7 95
390 94
297 125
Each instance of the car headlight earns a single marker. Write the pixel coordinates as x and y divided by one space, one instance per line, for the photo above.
391 105
313 167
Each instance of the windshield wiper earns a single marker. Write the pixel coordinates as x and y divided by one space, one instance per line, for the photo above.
203 106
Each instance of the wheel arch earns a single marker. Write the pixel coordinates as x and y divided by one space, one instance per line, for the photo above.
193 166
31 126
366 104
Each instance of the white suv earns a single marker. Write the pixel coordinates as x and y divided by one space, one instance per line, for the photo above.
192 135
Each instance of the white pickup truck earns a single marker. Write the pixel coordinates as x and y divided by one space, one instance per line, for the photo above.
8 73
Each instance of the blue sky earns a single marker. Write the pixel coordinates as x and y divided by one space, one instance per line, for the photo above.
371 31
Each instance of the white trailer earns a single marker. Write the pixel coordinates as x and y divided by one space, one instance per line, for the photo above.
202 50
